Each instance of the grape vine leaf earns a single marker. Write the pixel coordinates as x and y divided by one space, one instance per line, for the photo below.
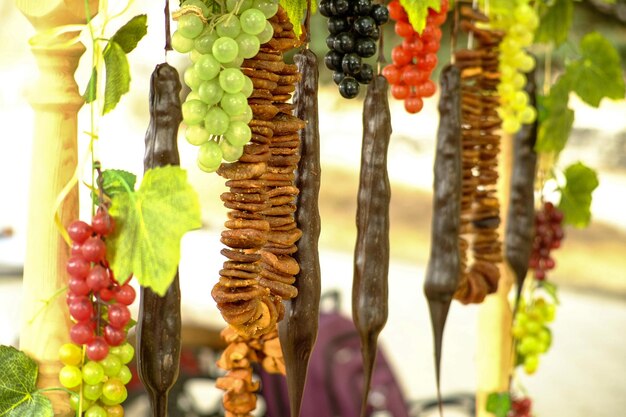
90 91
418 11
19 396
115 181
557 119
556 21
576 194
117 75
129 35
296 10
149 225
498 403
598 72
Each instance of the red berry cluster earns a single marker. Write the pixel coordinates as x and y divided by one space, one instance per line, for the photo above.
97 302
520 407
548 236
416 58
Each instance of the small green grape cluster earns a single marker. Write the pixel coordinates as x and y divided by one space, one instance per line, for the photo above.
216 111
519 24
532 335
99 385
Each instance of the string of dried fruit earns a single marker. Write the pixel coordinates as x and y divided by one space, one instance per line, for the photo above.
159 322
520 220
298 330
480 141
444 264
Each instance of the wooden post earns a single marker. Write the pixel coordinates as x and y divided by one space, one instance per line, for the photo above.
56 101
494 357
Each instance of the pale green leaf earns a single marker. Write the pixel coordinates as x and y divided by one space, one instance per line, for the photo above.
18 391
557 119
556 21
149 225
598 72
296 10
417 10
129 35
577 193
498 403
117 75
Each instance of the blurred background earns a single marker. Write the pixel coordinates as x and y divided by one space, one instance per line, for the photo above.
583 374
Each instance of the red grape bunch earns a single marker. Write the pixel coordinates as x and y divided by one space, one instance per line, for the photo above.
416 58
548 235
520 407
98 305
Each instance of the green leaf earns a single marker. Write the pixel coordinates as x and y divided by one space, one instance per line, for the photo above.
117 75
576 194
557 119
19 396
296 10
598 72
115 181
129 35
149 225
91 90
418 11
499 403
556 21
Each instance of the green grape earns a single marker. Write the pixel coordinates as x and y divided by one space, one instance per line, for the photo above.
216 121
92 392
71 354
509 46
532 327
232 80
520 100
111 365
210 92
234 104
245 117
196 135
194 55
191 78
210 156
114 410
235 63
253 21
549 313
528 345
248 87
193 95
545 336
125 375
207 67
190 26
266 34
126 352
193 111
204 43
197 3
523 13
267 7
531 363
518 331
229 27
230 153
180 43
505 89
238 133
93 373
506 73
527 63
225 49
519 81
75 402
70 376
244 5
114 390
511 125
248 45
521 318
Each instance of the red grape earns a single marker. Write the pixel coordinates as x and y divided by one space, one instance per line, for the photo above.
113 336
426 89
392 74
79 231
77 267
93 249
413 104
98 278
399 91
428 62
82 333
119 316
400 56
78 286
102 223
414 45
125 295
81 309
396 11
97 349
76 249
404 29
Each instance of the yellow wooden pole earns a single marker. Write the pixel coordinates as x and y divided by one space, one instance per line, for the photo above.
56 101
494 356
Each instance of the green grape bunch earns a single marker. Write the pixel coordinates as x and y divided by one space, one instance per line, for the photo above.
218 36
531 334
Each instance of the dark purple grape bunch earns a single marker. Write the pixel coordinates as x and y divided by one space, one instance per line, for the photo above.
354 27
548 236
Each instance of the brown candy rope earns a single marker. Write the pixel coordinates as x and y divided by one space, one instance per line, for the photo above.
480 141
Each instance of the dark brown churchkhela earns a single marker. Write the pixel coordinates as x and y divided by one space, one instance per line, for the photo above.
159 322
298 330
444 264
520 221
371 254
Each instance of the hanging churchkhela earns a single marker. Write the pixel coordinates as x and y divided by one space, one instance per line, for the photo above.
298 329
480 142
260 271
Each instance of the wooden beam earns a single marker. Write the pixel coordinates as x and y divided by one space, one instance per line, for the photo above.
56 101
